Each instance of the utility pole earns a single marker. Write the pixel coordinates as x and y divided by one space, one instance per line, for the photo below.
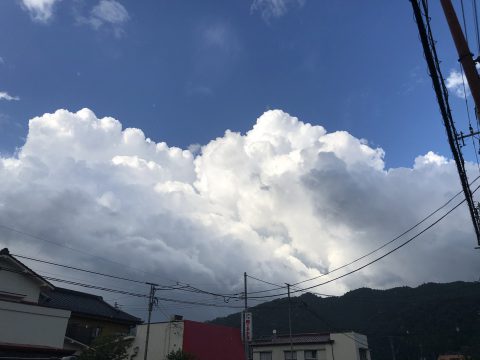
245 339
151 302
392 347
441 92
465 57
290 320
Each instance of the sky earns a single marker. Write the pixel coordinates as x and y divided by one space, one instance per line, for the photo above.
192 141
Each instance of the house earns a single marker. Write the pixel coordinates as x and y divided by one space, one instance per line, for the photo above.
204 341
451 357
330 346
90 315
28 329
38 317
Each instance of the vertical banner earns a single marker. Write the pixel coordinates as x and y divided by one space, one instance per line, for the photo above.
242 325
248 325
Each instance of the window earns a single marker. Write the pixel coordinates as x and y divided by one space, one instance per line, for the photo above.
363 354
96 331
310 355
290 355
265 355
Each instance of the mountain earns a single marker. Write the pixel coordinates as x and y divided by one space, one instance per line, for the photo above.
401 323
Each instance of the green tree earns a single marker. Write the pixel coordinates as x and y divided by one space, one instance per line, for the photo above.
180 355
109 347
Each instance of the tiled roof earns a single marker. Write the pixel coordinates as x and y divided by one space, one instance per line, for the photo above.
296 339
85 304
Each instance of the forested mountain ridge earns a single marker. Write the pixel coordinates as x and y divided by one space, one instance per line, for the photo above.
408 323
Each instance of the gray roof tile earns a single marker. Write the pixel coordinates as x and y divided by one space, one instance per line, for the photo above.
85 304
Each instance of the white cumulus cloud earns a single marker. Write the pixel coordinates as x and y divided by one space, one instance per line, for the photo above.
457 83
6 96
40 10
285 201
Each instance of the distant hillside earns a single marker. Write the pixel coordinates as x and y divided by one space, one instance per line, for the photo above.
417 322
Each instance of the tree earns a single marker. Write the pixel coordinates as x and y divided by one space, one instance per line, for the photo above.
180 355
108 347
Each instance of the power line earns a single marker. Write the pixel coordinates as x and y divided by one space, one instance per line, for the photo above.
378 258
441 91
314 313
255 278
280 287
183 287
394 249
73 249
123 292
391 241
237 296
79 269
369 253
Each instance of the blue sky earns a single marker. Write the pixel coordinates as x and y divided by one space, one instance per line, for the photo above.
285 202
185 71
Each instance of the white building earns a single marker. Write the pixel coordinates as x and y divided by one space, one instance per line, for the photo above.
334 346
203 341
26 327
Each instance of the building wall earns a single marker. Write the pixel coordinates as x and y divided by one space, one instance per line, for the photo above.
85 329
344 347
11 282
347 346
212 342
164 338
27 324
278 351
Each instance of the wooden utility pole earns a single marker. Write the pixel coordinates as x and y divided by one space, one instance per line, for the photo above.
441 93
290 320
464 55
245 337
151 302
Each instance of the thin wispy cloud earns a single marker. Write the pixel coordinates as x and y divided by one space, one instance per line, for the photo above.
216 35
198 89
274 8
40 10
6 96
107 13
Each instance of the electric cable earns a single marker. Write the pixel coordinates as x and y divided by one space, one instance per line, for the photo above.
374 250
380 257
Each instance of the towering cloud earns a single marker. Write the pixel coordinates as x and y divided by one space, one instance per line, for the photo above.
285 201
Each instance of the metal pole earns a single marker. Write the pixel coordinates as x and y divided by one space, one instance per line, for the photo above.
290 320
245 340
464 54
151 299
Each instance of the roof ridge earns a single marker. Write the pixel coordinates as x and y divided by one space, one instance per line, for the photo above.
6 252
62 289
